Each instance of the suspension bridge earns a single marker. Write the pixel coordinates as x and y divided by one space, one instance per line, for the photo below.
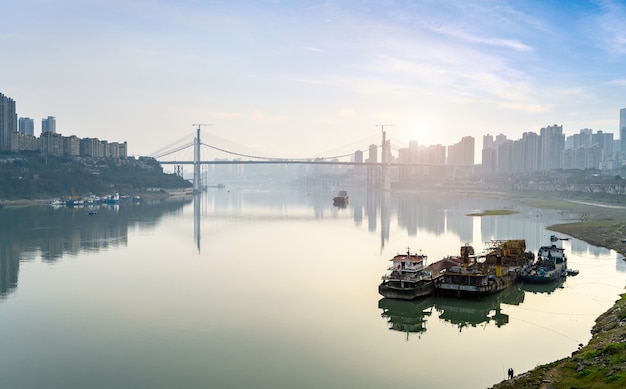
378 171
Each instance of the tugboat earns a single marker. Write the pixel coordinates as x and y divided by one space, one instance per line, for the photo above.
408 278
475 278
341 200
551 265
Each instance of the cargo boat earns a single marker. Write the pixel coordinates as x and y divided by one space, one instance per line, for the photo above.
481 275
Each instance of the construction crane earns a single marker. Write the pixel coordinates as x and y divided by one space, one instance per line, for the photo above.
201 124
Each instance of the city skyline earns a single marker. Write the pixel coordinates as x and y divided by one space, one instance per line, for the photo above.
549 149
300 80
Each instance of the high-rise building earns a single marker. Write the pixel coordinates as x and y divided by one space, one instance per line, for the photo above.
622 129
49 125
358 156
552 144
531 147
373 154
27 126
8 122
462 153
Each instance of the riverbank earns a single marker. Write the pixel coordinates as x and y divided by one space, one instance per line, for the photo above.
144 195
601 363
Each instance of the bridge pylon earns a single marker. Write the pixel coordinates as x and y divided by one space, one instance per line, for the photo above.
197 186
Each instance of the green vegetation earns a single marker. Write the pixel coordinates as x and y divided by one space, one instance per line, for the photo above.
599 364
493 212
27 176
599 220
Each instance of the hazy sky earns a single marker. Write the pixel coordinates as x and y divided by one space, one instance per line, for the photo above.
307 78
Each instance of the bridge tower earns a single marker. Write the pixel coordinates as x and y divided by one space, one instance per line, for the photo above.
197 187
385 159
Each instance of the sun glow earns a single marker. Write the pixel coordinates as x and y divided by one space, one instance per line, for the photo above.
425 132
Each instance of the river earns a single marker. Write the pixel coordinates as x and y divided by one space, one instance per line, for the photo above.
251 287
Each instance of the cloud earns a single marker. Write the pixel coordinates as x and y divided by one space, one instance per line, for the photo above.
618 82
457 33
611 21
526 107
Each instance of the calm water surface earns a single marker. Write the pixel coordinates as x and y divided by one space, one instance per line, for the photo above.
255 288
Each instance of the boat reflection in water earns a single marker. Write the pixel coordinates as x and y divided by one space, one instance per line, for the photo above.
408 316
547 288
464 313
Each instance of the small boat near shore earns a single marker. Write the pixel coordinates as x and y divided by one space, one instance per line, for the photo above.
551 264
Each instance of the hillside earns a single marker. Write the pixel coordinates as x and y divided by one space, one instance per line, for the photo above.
39 177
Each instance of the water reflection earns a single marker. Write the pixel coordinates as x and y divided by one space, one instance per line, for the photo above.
547 288
156 309
437 213
464 313
410 317
406 316
48 233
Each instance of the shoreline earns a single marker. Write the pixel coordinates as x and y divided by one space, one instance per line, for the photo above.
602 225
145 195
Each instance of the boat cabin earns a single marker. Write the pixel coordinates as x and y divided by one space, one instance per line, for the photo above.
408 262
552 253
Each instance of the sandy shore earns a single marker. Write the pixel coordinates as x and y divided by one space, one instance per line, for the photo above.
24 203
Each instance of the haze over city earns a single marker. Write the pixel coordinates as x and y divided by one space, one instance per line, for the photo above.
303 79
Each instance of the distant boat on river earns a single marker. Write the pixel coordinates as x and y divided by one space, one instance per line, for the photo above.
341 200
113 199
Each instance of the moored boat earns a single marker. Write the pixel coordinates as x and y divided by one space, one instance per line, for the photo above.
571 272
341 199
551 264
481 275
113 198
408 277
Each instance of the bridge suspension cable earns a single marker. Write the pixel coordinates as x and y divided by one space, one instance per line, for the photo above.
274 159
168 150
172 151
165 150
